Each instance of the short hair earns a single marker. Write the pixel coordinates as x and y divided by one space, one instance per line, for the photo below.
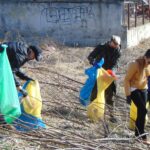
147 53
37 51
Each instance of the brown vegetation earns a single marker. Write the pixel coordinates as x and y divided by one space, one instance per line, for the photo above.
61 75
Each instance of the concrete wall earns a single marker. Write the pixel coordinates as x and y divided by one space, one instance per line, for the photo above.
71 22
135 35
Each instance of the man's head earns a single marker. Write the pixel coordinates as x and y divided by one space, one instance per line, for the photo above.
34 52
115 41
147 57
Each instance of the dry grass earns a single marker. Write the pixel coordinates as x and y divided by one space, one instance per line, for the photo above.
61 74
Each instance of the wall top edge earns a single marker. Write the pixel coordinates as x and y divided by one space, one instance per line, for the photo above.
68 1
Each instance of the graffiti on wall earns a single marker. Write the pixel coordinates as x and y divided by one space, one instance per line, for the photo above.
68 15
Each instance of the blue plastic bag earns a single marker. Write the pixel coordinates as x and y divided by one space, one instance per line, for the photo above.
86 90
27 122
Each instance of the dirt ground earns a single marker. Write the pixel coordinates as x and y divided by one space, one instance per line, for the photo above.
61 75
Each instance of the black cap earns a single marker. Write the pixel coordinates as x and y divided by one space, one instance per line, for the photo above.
37 51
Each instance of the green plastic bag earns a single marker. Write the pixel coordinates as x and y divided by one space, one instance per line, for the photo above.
9 101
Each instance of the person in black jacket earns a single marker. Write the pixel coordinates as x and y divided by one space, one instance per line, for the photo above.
110 51
18 54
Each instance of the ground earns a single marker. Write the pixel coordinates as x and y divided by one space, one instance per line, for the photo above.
61 76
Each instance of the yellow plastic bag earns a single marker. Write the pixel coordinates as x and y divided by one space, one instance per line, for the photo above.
33 105
95 110
133 115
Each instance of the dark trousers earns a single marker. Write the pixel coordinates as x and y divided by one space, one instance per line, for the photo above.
148 97
108 95
109 92
139 98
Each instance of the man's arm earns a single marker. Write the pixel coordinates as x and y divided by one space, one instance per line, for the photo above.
18 85
22 75
132 69
97 52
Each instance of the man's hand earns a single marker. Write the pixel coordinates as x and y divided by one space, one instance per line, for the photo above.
28 78
24 92
128 98
91 60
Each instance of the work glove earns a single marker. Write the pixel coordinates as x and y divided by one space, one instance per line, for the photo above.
128 98
24 92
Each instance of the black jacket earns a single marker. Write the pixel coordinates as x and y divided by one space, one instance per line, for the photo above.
18 56
110 55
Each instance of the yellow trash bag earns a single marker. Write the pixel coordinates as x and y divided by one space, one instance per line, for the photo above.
133 115
95 110
33 105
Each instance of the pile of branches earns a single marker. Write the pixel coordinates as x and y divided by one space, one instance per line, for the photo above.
71 128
